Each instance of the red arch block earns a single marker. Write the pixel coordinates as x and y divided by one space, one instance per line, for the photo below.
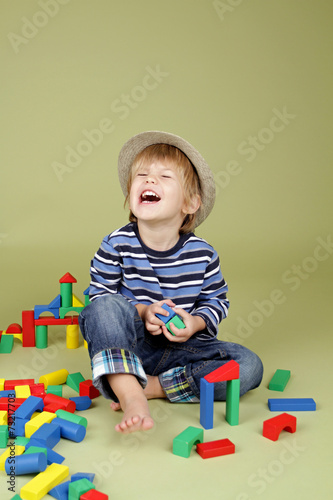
273 426
229 371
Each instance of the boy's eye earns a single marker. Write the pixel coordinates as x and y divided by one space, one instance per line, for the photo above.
141 174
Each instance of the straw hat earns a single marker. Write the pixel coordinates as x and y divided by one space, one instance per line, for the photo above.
139 142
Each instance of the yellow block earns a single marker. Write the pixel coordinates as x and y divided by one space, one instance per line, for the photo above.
3 417
85 343
41 484
45 417
76 302
16 335
2 384
10 452
54 378
22 391
72 336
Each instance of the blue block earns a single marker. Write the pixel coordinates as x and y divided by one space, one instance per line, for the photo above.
206 404
26 464
7 394
55 303
165 319
28 407
82 402
69 430
47 435
38 310
52 456
18 427
60 492
292 404
81 475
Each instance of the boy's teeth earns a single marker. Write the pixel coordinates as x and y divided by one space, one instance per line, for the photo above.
149 196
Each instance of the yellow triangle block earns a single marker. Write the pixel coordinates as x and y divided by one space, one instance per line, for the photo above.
76 302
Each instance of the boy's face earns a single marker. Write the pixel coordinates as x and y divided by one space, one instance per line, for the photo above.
156 194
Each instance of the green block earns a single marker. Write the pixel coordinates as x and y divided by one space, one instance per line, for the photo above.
279 380
77 488
6 344
64 310
66 294
72 417
182 444
54 389
4 435
232 402
21 441
177 321
74 379
41 336
36 449
16 497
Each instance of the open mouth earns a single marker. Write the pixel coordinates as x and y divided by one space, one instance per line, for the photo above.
149 197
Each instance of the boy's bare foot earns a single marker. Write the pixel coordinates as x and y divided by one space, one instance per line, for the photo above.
136 416
152 390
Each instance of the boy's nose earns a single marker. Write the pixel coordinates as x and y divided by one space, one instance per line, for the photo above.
151 179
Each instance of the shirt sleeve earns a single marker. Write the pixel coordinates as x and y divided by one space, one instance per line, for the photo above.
212 304
105 271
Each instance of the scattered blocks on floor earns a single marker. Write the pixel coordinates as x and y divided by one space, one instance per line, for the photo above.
215 448
292 404
81 402
54 378
27 463
47 435
70 430
279 380
273 426
74 380
78 488
183 443
86 388
4 435
41 484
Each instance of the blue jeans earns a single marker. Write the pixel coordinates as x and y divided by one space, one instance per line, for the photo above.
119 343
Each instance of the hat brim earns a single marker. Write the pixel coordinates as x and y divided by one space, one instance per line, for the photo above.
141 141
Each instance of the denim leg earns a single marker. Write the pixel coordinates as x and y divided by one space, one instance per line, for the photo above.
113 330
195 359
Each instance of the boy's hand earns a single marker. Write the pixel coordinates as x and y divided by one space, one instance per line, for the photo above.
192 324
152 323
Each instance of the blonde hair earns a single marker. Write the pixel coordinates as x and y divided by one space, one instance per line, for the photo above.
187 174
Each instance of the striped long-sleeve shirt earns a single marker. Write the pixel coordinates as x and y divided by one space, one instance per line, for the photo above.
189 274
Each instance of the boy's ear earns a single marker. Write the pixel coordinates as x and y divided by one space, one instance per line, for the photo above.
193 205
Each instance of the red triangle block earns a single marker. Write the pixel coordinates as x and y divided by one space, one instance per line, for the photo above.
67 278
229 371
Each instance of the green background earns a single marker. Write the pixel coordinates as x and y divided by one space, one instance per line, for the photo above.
223 72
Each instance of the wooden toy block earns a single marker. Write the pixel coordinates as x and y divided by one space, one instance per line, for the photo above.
228 371
206 404
232 402
273 426
80 475
26 464
14 328
215 448
22 391
2 384
183 443
279 380
292 404
35 423
86 388
74 379
78 488
54 389
6 344
47 435
94 495
28 329
10 404
41 336
18 427
55 303
52 407
60 492
177 321
63 403
165 319
41 484
81 402
86 296
40 309
71 417
3 417
51 456
72 336
18 450
4 435
21 441
50 320
29 406
65 310
54 378
38 390
11 384
76 302
35 449
70 430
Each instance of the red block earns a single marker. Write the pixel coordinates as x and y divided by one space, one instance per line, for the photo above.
50 320
273 426
229 371
28 329
10 404
94 495
62 403
215 448
38 390
86 388
10 384
14 328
